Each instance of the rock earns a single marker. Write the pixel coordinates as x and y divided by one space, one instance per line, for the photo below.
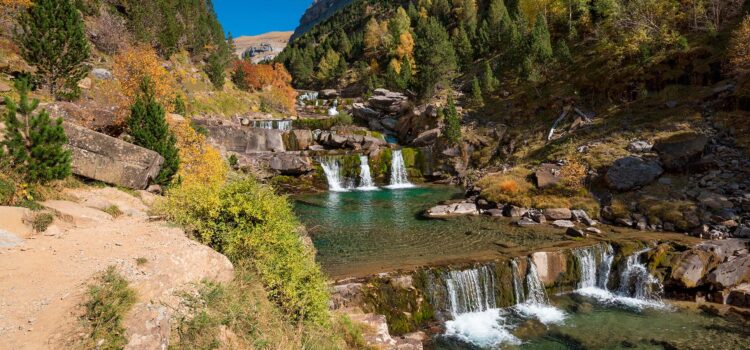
291 164
632 172
574 232
582 217
494 212
77 214
174 118
387 101
298 140
448 210
376 334
427 138
526 222
5 87
690 269
558 214
515 212
107 197
107 159
740 296
237 139
328 94
389 123
549 266
547 175
731 273
101 74
466 209
537 216
15 221
85 83
640 147
594 230
563 224
346 295
671 104
714 201
679 151
741 232
359 110
9 240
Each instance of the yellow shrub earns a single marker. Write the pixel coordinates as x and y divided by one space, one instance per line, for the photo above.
199 162
133 65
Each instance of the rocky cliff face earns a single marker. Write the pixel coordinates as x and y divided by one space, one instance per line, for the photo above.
319 11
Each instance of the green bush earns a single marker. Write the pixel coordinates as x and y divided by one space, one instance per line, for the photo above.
41 221
343 119
109 299
247 221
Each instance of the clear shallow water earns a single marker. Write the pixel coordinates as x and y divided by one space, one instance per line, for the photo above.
590 323
359 233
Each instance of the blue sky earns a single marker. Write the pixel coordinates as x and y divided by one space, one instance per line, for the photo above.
252 17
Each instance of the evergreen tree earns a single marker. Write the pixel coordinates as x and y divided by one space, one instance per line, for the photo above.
451 123
179 106
441 9
35 143
464 51
563 52
343 45
476 100
469 16
328 68
52 38
489 82
499 22
483 40
435 56
148 127
239 78
215 68
540 45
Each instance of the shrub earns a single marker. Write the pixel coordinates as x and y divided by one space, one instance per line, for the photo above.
739 49
41 221
274 80
108 30
247 221
35 144
149 129
132 66
109 299
113 210
199 161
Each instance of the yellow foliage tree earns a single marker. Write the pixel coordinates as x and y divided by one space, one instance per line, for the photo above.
739 49
134 64
15 3
200 163
373 38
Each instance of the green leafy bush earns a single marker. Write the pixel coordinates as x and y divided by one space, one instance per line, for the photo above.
109 299
247 221
41 221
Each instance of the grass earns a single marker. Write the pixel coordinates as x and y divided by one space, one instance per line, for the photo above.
109 299
141 261
41 221
238 315
113 210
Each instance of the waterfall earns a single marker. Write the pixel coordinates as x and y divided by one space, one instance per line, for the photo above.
333 111
588 268
465 291
273 124
517 285
399 176
284 125
636 281
332 170
605 266
534 286
365 178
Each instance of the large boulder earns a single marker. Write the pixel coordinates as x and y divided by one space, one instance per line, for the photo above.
388 102
449 210
298 140
328 94
632 172
427 138
291 164
107 159
679 151
232 138
558 214
359 110
731 273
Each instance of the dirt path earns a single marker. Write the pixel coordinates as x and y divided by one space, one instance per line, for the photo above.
43 281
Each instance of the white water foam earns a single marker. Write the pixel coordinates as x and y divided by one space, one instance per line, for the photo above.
365 178
333 175
484 329
546 314
608 298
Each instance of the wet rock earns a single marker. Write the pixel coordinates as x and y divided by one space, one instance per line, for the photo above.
632 172
547 175
583 217
594 230
679 151
107 159
298 140
448 210
427 138
359 110
731 273
388 101
558 214
640 147
563 224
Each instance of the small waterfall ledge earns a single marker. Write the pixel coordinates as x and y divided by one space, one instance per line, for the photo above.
399 175
361 179
481 304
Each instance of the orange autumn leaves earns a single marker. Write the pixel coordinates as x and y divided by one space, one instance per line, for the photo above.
133 65
273 80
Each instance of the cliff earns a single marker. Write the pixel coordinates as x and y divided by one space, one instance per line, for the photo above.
319 11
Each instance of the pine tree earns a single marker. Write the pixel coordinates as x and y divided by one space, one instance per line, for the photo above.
435 56
215 69
35 143
148 127
179 106
464 51
498 20
476 100
52 38
469 16
328 68
489 82
451 123
540 44
483 40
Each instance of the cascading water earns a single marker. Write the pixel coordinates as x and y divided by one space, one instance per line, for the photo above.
365 178
517 285
272 124
333 111
284 125
471 290
535 288
588 268
399 176
536 304
636 281
605 266
332 170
